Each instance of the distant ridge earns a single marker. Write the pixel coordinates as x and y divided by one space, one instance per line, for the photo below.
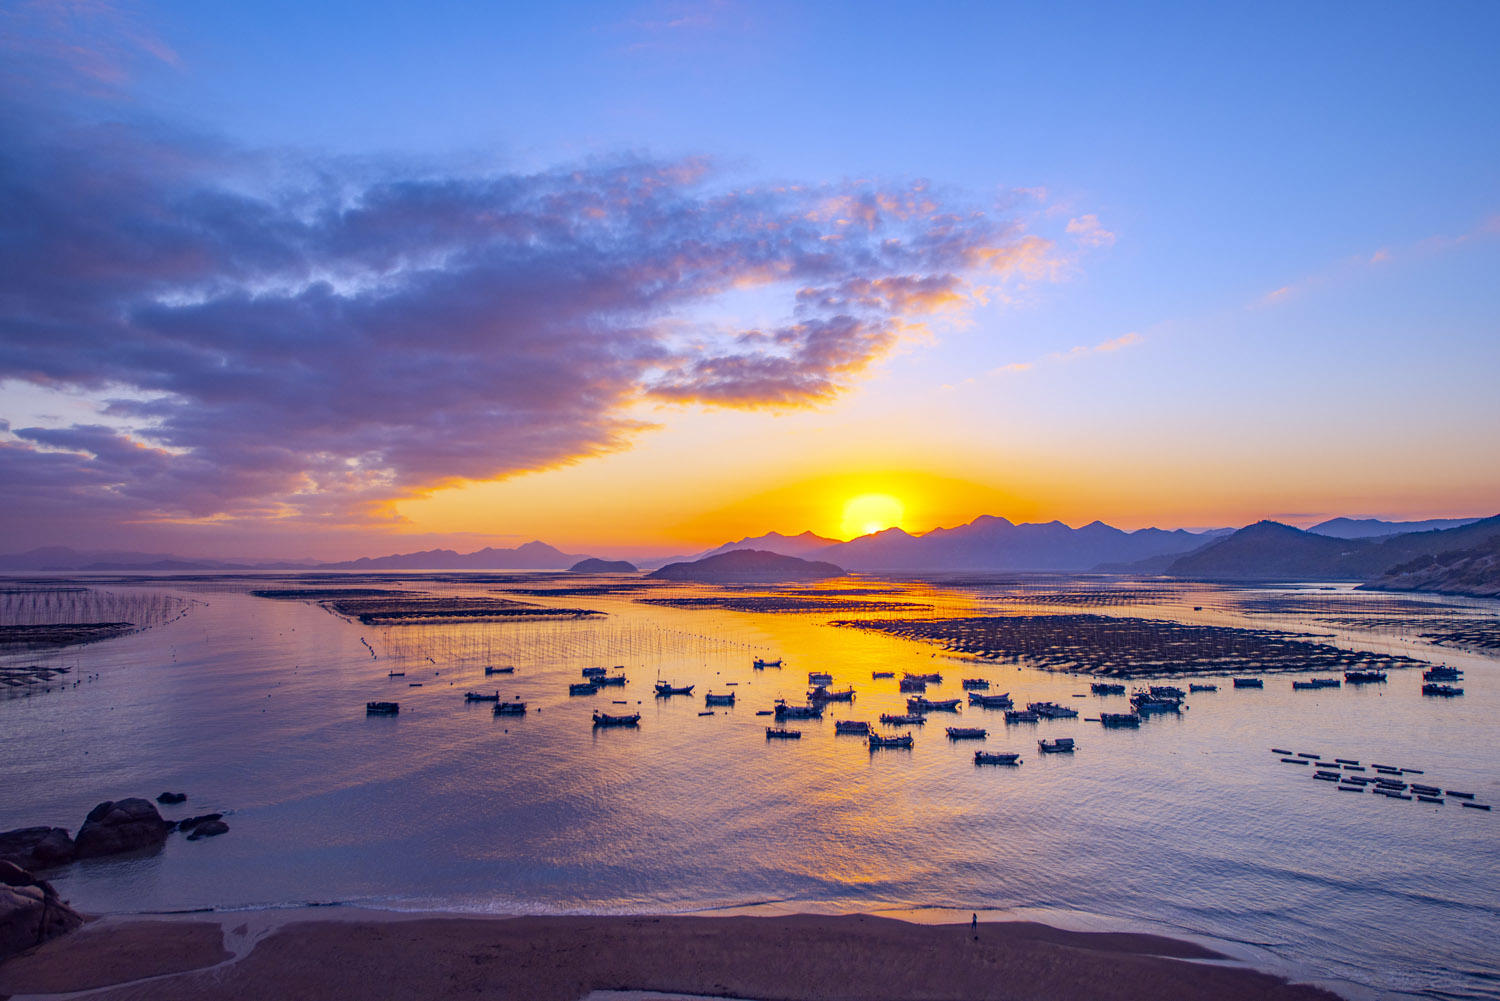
531 556
775 542
1369 528
1474 572
747 566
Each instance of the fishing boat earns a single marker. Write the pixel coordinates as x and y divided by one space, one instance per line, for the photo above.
877 741
481 697
382 708
1120 719
898 719
1203 688
910 685
710 699
594 672
1144 702
1056 745
396 674
1249 683
975 684
852 726
1106 688
996 758
1364 677
967 733
1167 692
784 711
665 690
583 688
822 694
607 680
925 705
819 678
1446 691
498 670
882 674
931 679
1051 710
1001 701
605 719
780 733
1442 673
760 663
510 709
1021 716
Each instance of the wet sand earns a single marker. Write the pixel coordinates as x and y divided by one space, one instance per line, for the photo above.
323 954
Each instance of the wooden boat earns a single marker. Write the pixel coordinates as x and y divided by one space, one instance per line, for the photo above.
711 699
382 708
967 733
605 719
1167 692
996 758
1021 716
396 674
1143 704
1057 745
1203 688
1051 710
852 726
924 705
760 663
897 719
498 670
784 711
594 672
1120 719
1249 683
910 685
1001 701
974 684
822 694
481 697
779 733
1364 677
1446 691
882 674
819 678
931 679
583 688
665 690
1442 673
1106 688
877 741
608 680
510 709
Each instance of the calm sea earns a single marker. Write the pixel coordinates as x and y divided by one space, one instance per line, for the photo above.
1190 825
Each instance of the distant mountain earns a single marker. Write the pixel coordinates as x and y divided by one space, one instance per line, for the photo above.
747 566
775 542
65 558
531 556
595 565
1474 571
1272 550
991 543
1370 528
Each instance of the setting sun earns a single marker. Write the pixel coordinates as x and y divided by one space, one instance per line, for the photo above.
869 513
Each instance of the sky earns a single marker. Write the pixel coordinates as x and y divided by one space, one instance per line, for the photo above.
332 279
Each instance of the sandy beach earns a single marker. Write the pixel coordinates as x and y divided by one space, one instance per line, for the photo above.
363 954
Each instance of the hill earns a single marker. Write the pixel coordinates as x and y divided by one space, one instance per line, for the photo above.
595 565
775 542
1370 528
531 556
747 566
1474 571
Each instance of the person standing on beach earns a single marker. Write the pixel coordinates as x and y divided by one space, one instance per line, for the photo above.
974 926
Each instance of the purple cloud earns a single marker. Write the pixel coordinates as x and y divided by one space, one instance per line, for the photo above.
310 340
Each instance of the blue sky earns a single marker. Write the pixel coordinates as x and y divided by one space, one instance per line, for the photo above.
1280 222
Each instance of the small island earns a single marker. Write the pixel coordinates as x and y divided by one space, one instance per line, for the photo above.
752 566
595 565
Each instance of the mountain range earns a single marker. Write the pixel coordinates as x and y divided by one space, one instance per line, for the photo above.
1369 528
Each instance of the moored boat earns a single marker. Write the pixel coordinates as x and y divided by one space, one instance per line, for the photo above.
1106 688
382 708
1021 716
710 699
900 719
1446 691
967 733
605 719
1442 673
1057 745
852 726
510 709
1120 719
925 705
1364 677
481 697
1051 710
785 711
876 740
398 674
1249 683
498 670
822 694
1203 688
931 679
974 684
781 733
882 674
996 758
665 690
760 663
819 678
583 688
912 685
594 672
1001 701
604 680
1167 692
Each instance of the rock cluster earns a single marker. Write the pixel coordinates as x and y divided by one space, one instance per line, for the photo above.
30 911
119 826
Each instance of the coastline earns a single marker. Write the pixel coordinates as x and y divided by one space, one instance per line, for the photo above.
347 951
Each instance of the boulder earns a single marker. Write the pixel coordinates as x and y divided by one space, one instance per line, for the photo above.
30 912
119 826
188 823
36 847
209 829
172 798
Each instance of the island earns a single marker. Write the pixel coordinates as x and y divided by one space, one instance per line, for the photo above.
748 566
595 565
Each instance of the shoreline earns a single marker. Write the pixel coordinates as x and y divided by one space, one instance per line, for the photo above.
333 949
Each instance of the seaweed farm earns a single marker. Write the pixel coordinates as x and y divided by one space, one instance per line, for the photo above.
784 603
1119 647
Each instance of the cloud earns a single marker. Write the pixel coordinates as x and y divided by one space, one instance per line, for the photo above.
305 340
1073 354
1087 231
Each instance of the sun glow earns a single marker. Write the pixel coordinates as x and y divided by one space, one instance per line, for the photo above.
869 513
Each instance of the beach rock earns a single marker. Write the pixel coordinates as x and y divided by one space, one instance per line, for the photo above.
30 911
119 826
189 823
36 847
172 798
209 829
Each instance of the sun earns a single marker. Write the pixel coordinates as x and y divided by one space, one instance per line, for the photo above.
869 513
